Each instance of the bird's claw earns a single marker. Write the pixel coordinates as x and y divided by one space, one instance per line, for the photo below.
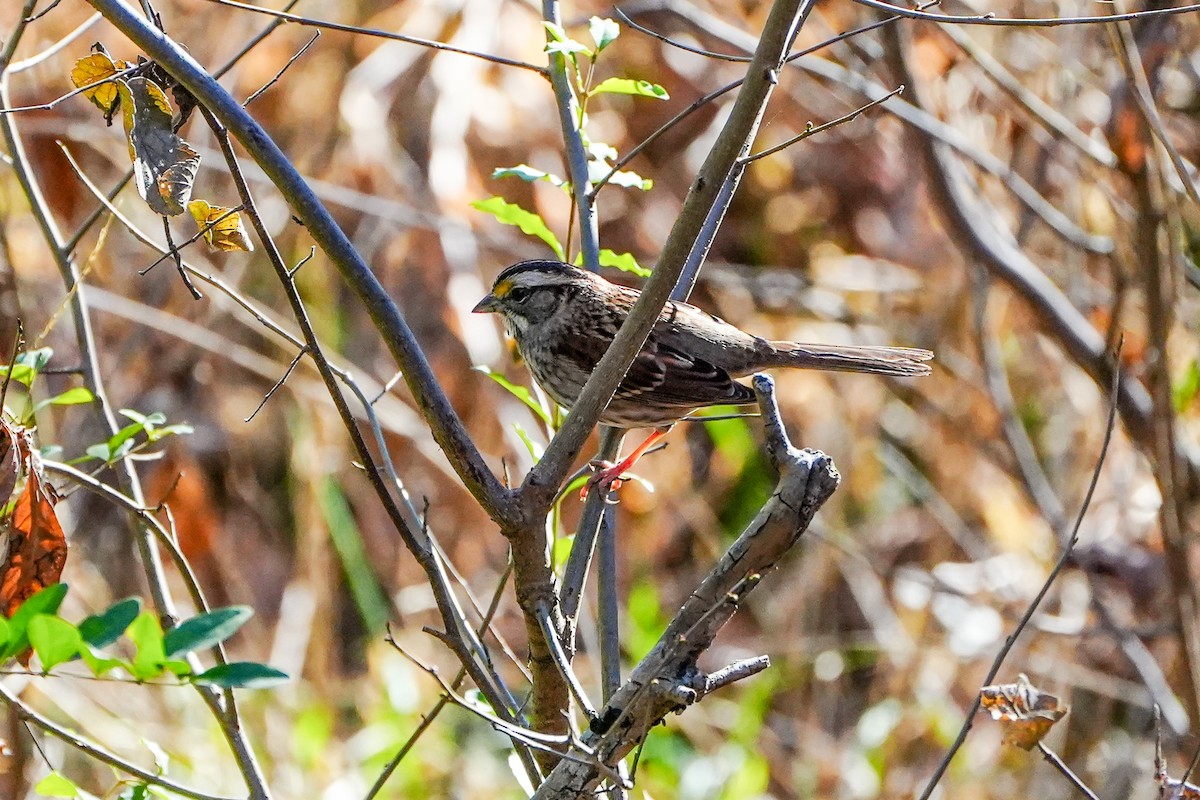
608 478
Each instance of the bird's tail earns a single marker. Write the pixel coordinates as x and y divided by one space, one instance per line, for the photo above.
899 361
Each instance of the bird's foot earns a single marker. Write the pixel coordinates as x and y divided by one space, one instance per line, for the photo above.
608 477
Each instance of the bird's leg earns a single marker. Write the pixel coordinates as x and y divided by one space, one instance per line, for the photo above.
609 478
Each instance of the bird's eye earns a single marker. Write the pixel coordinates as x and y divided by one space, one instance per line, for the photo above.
519 294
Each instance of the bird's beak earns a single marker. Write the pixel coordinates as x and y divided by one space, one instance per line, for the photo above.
487 305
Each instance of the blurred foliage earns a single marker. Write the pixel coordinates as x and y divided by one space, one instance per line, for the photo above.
880 627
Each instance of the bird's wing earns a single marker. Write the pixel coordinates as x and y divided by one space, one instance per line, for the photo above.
661 375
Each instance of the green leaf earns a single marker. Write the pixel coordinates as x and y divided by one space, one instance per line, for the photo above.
535 449
242 675
630 86
562 549
604 32
147 636
573 487
624 262
178 668
35 359
178 429
99 664
56 785
54 640
162 759
1185 389
205 630
528 174
519 392
628 179
46 601
121 442
5 632
601 151
557 41
512 214
71 397
369 597
101 630
99 451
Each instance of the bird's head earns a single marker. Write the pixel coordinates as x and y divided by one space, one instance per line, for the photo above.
530 292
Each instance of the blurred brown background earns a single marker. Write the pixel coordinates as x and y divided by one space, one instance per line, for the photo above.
880 627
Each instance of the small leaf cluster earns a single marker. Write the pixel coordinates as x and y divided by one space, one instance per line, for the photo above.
581 62
124 441
25 369
142 430
156 653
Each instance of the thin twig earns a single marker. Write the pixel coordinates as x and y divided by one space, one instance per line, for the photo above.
1067 549
562 663
1032 22
98 752
278 384
428 718
173 253
608 609
173 250
1062 767
583 548
569 114
379 34
6 110
812 130
282 70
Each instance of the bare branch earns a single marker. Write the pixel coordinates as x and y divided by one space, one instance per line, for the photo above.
1067 549
1033 22
97 752
376 33
444 422
654 689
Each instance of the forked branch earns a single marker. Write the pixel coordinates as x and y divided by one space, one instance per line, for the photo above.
664 681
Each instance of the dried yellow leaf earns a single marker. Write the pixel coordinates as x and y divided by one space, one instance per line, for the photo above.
92 69
222 227
1024 712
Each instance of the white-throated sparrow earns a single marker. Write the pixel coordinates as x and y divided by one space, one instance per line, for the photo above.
564 319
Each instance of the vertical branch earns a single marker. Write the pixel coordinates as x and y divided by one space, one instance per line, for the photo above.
609 608
220 702
583 549
779 31
444 423
460 635
577 157
152 564
1156 276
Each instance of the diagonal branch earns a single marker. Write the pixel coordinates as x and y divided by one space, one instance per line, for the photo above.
444 422
664 681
